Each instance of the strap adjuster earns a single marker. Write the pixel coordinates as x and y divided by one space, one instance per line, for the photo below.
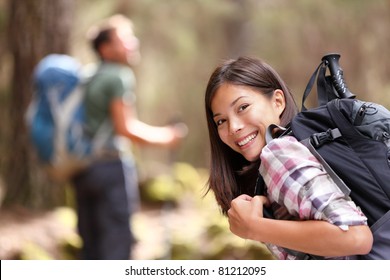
318 139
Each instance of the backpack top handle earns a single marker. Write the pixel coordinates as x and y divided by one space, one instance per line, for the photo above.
337 77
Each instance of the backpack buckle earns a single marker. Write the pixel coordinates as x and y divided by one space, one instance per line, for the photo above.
318 139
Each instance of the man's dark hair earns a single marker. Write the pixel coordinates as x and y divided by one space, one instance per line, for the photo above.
102 37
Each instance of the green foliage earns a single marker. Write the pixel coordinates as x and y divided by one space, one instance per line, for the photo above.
48 235
32 251
184 178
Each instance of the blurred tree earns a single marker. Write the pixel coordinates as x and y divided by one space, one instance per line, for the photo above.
35 28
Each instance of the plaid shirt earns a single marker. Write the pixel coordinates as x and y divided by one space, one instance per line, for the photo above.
299 188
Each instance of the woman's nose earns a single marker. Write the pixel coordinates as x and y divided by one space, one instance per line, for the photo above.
235 125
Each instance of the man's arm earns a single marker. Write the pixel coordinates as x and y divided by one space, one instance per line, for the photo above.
127 124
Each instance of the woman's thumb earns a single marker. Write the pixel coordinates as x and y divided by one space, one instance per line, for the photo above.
260 200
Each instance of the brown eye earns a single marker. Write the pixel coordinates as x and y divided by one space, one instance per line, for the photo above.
243 107
219 122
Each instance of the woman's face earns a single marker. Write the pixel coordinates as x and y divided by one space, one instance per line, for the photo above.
242 116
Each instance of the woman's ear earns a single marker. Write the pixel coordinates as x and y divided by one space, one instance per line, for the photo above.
279 101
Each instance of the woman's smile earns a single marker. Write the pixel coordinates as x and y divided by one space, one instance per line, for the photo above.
247 140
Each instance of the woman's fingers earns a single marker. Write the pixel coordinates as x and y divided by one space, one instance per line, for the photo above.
244 197
260 200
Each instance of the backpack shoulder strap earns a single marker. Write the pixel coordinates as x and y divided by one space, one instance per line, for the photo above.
340 183
269 134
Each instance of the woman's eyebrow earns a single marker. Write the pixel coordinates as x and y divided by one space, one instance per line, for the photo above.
232 104
238 98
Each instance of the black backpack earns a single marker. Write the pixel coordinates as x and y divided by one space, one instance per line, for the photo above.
351 138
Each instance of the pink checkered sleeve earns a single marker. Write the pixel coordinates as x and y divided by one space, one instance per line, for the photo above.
297 182
299 188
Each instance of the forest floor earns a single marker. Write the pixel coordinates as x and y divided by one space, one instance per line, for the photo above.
52 235
33 235
161 233
190 227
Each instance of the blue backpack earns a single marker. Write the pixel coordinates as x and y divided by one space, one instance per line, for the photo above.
55 117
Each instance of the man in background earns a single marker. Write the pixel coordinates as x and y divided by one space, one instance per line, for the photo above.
107 192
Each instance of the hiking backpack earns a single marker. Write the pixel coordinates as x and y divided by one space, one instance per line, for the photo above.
351 138
55 116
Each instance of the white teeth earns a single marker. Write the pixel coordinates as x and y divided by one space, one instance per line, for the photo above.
246 140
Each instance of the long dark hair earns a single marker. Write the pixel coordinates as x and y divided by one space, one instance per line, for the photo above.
230 173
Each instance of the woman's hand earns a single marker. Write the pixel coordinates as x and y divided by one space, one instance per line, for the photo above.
244 213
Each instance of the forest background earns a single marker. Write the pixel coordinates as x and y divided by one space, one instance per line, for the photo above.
181 43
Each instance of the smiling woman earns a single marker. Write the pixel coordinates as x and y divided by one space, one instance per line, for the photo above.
242 116
245 76
243 98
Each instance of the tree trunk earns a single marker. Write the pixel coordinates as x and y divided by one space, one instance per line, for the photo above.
36 28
